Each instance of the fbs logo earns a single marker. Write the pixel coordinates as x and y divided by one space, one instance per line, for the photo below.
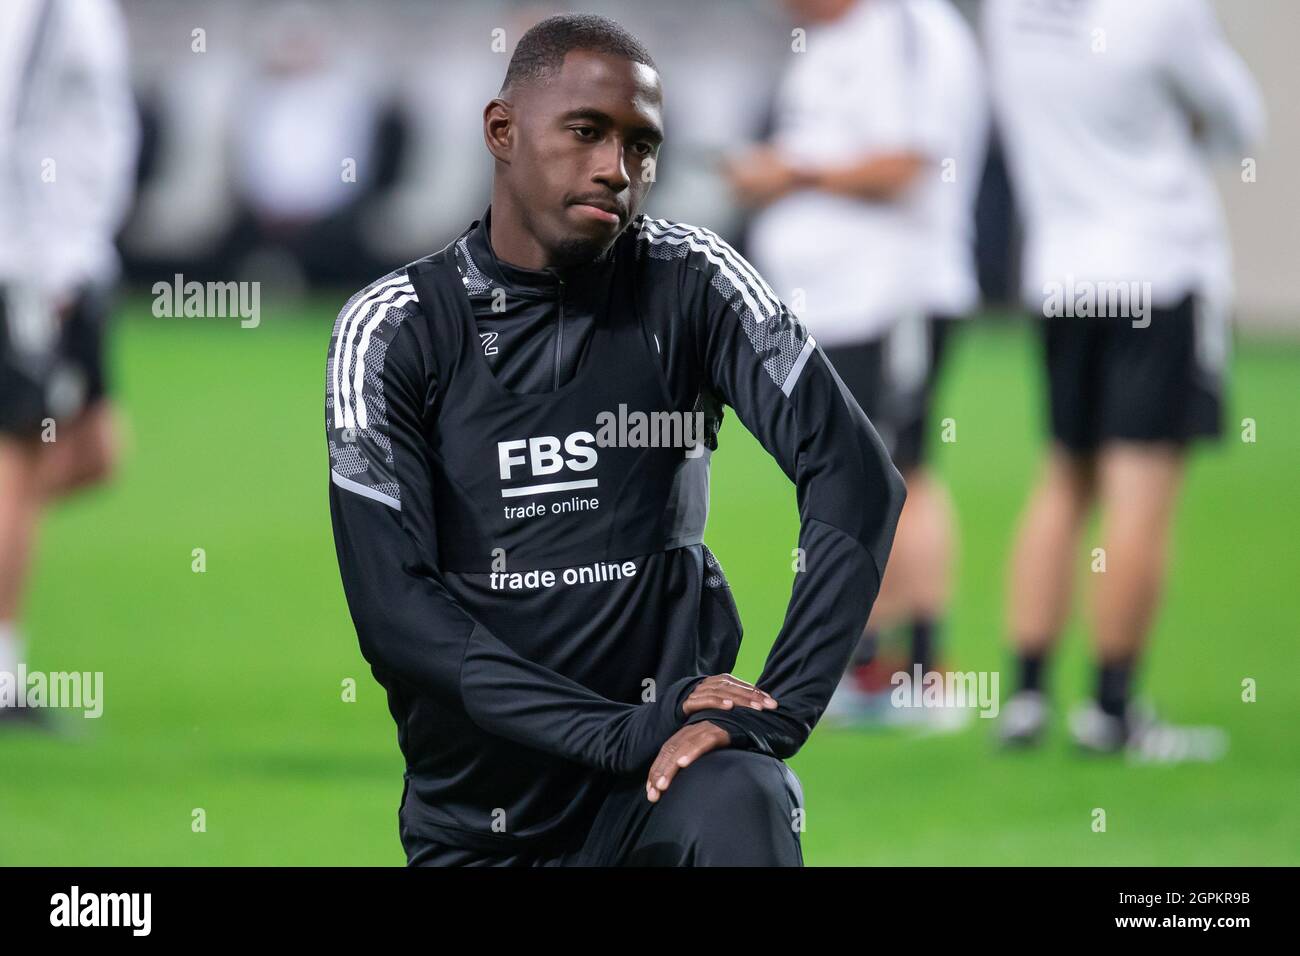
547 455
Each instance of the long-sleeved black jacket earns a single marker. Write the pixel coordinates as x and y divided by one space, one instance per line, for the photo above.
515 706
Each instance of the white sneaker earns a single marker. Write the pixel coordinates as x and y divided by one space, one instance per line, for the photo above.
1095 730
1024 718
1143 737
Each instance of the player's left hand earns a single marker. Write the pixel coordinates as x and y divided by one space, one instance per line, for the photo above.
680 751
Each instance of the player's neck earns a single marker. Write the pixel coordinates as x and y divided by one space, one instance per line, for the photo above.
511 243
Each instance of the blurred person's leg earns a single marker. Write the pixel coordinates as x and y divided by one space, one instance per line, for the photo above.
1138 487
85 446
84 455
22 407
20 507
922 560
925 534
1043 564
56 434
1042 571
1162 390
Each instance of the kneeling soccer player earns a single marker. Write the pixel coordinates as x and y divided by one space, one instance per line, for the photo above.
588 719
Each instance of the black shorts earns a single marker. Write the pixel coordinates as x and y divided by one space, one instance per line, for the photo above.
50 369
1111 381
893 379
730 808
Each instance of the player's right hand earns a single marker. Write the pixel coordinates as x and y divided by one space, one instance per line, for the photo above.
723 692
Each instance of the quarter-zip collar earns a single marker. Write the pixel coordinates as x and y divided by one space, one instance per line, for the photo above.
536 283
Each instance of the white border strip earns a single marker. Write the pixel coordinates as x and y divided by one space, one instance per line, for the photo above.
365 491
788 385
547 489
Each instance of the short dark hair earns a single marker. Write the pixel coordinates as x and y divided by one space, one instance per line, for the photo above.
540 52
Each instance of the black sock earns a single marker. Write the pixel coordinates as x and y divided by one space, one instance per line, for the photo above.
925 643
1113 685
1032 666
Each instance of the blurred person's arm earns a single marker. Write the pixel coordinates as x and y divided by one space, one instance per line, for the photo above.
1210 78
89 129
762 362
410 627
926 129
881 177
762 176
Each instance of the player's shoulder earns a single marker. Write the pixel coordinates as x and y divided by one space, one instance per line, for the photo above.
365 330
681 245
703 251
393 290
720 286
360 372
676 240
388 301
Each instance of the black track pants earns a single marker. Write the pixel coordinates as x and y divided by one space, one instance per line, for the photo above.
730 808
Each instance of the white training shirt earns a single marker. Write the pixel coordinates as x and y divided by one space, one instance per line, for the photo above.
68 138
1109 109
882 78
955 100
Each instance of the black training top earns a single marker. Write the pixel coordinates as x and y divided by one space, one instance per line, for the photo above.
518 500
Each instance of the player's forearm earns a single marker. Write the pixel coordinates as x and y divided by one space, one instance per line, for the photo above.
410 626
829 606
850 498
522 701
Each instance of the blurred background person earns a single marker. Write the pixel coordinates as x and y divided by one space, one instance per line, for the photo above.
244 141
67 153
1110 111
866 194
312 142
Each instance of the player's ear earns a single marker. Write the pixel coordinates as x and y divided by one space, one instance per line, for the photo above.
499 128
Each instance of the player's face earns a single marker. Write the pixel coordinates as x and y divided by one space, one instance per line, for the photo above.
585 155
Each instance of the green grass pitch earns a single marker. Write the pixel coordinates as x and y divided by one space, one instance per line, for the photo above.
223 689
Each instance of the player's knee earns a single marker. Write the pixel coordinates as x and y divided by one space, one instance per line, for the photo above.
736 808
735 784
